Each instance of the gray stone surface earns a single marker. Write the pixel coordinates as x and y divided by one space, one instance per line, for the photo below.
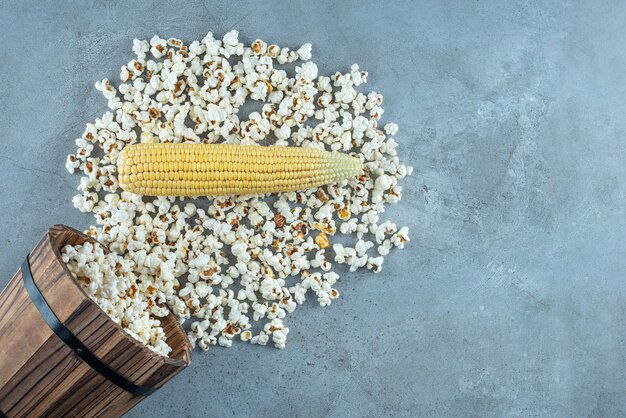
510 300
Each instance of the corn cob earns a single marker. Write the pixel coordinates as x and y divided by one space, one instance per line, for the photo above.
167 169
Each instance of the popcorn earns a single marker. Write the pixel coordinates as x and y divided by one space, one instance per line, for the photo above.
308 71
72 163
304 52
361 247
231 38
108 280
391 128
237 265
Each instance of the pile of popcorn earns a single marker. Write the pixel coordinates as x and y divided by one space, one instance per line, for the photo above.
237 265
110 281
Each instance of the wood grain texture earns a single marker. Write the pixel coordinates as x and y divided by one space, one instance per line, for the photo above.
41 376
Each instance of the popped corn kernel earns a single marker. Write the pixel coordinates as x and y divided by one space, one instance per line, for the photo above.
322 240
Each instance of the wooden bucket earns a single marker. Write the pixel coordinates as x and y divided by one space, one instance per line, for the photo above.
101 371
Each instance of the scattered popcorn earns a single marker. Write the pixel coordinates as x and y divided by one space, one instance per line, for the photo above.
237 265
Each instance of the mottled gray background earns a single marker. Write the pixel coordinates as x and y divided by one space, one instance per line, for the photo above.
511 298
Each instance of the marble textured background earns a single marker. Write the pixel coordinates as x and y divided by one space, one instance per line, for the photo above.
509 301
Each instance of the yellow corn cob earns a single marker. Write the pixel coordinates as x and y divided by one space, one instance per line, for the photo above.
167 169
